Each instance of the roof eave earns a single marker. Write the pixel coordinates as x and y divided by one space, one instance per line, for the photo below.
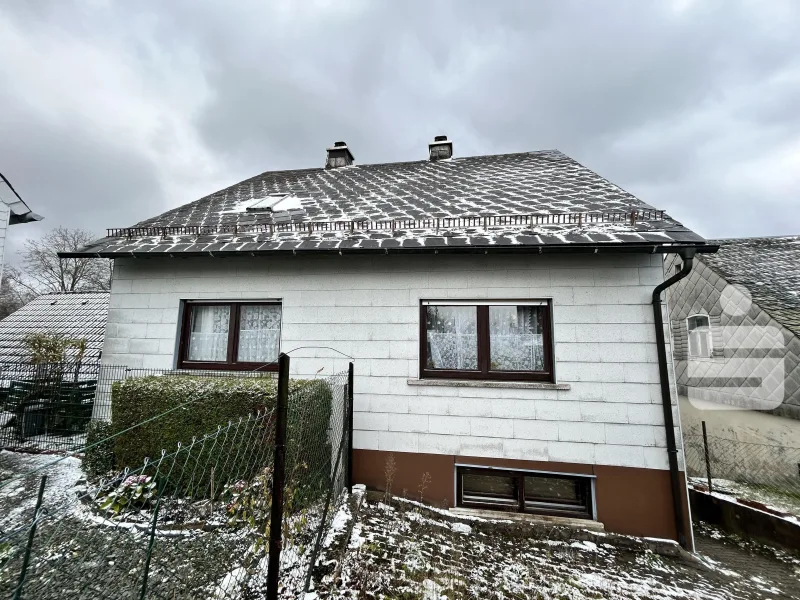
641 248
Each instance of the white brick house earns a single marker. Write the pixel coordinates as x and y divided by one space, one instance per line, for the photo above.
498 311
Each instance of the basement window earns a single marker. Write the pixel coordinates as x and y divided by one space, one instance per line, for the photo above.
230 336
541 493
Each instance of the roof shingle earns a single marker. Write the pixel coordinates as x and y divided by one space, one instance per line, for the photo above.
77 315
409 202
769 268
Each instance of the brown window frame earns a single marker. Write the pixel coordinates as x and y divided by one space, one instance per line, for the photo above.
230 363
519 477
483 372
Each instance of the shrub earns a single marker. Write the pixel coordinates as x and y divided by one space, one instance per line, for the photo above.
135 492
308 444
198 406
99 457
206 403
47 348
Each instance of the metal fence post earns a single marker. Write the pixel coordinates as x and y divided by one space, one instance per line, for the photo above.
350 427
278 479
27 558
708 457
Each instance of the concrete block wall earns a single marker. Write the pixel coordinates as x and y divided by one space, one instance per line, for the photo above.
368 307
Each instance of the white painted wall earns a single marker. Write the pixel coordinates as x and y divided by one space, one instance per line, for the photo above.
368 307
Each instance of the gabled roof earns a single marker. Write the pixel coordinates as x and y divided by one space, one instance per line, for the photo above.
532 199
769 268
76 315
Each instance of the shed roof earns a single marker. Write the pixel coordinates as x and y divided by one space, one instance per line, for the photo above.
74 315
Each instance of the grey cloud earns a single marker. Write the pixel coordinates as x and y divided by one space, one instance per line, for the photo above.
663 102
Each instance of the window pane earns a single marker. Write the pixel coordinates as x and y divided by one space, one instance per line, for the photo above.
699 344
489 489
515 338
698 322
452 337
553 489
208 336
556 494
259 333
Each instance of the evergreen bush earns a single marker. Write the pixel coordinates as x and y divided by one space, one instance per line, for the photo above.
98 458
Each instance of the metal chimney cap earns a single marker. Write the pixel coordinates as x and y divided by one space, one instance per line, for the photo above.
440 148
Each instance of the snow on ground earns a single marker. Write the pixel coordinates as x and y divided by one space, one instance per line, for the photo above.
787 501
79 552
372 549
18 492
410 551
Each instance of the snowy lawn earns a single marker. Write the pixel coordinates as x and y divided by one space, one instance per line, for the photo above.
79 553
401 550
408 551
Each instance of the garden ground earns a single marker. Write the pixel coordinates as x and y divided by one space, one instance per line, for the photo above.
399 549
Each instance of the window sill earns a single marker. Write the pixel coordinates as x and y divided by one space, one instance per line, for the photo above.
476 383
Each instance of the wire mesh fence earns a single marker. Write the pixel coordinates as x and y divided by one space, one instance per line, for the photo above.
762 473
196 519
48 407
316 474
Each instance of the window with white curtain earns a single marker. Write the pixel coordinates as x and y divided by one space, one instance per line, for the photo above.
208 338
700 342
232 335
489 339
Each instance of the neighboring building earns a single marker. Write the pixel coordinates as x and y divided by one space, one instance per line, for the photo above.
12 212
80 315
736 326
498 309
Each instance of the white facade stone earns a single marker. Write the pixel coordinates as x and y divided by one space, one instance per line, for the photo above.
368 307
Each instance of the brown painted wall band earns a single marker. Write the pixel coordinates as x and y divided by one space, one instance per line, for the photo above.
631 501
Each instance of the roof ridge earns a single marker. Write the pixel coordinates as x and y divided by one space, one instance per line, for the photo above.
755 238
74 293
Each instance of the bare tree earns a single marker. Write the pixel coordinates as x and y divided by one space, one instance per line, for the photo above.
13 296
43 271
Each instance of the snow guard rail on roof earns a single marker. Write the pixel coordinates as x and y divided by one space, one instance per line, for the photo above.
518 220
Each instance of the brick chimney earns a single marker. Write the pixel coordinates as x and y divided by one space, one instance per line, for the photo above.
440 148
339 155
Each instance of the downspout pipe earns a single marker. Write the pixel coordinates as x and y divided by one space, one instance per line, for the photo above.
666 397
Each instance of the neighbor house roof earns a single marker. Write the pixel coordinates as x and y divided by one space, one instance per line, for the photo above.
532 199
75 315
769 268
19 212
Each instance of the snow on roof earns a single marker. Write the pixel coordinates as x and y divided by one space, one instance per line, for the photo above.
769 268
338 209
75 315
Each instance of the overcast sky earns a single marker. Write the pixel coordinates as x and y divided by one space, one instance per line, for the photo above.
112 112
